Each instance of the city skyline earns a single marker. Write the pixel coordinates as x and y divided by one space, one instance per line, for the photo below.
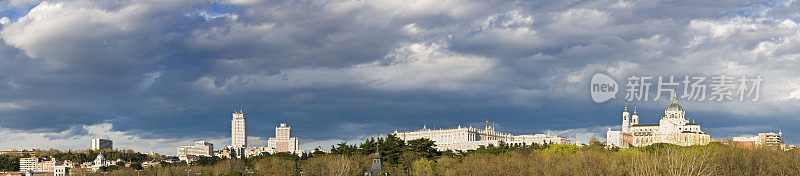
241 115
153 75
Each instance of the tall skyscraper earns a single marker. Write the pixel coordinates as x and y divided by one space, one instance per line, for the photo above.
238 130
102 144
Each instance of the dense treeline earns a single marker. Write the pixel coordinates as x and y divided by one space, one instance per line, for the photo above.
419 157
11 162
90 155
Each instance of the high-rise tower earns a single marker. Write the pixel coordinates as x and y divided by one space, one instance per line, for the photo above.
238 130
283 142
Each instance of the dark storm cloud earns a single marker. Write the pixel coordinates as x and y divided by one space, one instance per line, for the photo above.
340 70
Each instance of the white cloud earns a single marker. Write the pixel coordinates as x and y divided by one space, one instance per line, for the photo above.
412 29
413 66
148 80
73 34
421 8
7 106
581 21
310 144
79 138
515 51
19 3
245 2
4 20
583 134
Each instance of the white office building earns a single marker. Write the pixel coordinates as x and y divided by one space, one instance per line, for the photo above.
102 144
774 140
283 141
468 138
30 164
200 148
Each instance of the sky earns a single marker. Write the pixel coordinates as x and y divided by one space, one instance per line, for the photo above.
155 74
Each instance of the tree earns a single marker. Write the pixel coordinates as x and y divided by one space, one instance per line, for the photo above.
562 149
368 147
491 149
136 166
207 161
9 163
659 146
595 143
343 148
233 173
391 148
424 147
317 152
423 166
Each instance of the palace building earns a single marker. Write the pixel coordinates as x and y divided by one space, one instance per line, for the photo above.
673 128
468 138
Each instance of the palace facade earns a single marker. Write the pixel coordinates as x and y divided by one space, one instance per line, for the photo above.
468 138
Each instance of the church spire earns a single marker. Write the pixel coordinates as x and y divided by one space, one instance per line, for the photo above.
674 96
626 106
377 164
634 109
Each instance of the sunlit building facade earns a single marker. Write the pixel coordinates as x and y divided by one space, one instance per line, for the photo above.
102 144
200 148
673 128
283 142
468 138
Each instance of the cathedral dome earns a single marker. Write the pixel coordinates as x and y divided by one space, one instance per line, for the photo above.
674 107
100 157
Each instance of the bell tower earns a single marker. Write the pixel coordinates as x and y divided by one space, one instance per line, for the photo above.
626 123
377 164
635 117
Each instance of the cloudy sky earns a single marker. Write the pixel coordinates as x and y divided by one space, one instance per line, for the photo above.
152 75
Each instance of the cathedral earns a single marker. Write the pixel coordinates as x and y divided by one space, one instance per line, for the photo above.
673 128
